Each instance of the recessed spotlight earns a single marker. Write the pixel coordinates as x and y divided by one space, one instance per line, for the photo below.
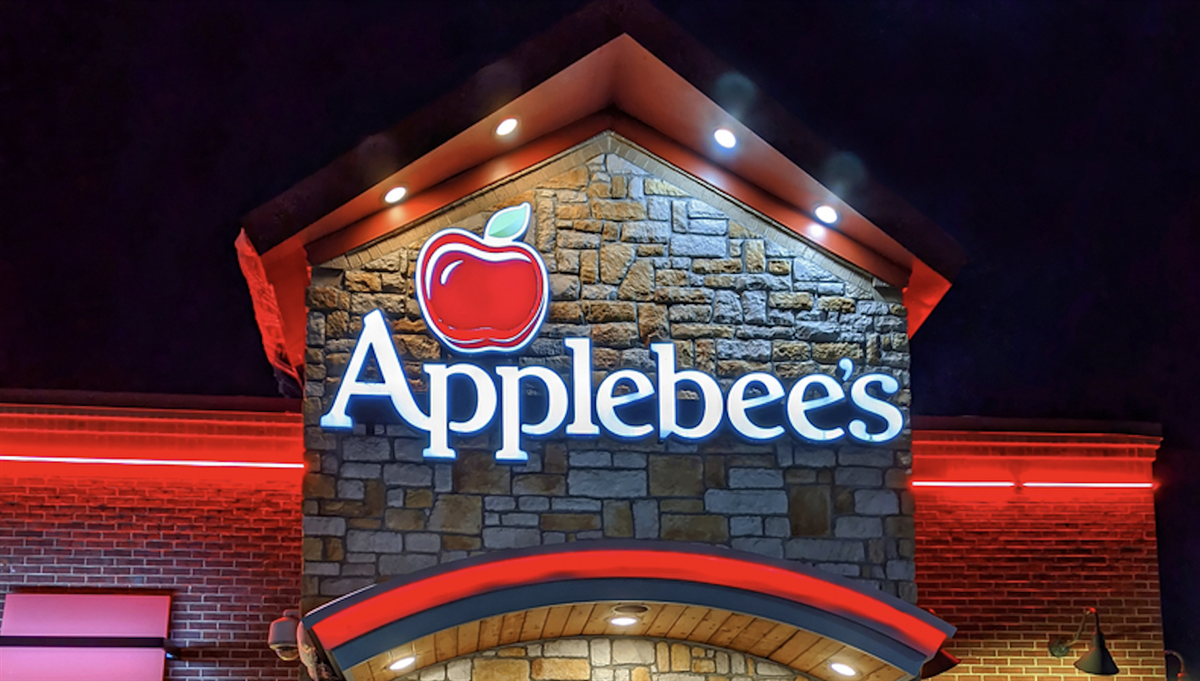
506 127
725 138
826 214
623 621
843 669
402 663
395 195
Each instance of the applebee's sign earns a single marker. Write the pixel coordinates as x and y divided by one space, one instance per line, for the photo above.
490 295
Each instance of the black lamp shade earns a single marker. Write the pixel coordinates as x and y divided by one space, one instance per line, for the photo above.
1097 661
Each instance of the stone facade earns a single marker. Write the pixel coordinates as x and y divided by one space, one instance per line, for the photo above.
607 659
638 253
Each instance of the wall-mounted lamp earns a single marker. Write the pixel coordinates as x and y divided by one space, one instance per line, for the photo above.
1098 660
1182 675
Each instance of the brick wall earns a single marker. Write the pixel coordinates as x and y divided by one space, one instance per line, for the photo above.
229 557
637 253
1015 568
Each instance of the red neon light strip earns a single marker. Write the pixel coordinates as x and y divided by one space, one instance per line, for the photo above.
200 463
1113 485
1099 485
957 483
354 621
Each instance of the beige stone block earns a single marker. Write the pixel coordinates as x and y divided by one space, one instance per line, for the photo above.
571 211
316 486
830 353
599 190
657 187
836 304
597 311
790 301
779 267
311 548
706 355
739 367
618 519
404 519
717 265
737 231
676 476
566 313
620 187
632 651
714 471
501 668
363 282
614 261
418 498
516 651
457 513
604 359
615 335
459 542
589 226
662 653
638 283
790 351
754 253
681 505
704 666
421 347
575 178
540 484
642 673
570 522
617 210
672 277
337 324
478 473
808 511
562 669
335 549
588 267
712 529
652 323
681 658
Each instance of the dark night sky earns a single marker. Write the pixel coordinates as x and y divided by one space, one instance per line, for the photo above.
1059 143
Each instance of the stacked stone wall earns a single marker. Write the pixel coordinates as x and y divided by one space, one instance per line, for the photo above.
638 253
607 659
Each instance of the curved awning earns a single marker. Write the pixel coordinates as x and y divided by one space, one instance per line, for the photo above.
794 615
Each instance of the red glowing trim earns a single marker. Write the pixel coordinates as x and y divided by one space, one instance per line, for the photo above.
446 587
202 463
961 483
1112 485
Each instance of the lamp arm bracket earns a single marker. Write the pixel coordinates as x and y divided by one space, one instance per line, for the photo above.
1061 647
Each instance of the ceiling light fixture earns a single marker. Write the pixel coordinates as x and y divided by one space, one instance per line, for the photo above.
725 138
826 214
627 615
395 195
623 621
402 663
506 127
843 669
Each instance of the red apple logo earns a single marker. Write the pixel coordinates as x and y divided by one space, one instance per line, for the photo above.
484 295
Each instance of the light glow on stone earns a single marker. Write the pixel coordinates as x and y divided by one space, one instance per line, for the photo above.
506 127
826 214
395 195
725 138
402 663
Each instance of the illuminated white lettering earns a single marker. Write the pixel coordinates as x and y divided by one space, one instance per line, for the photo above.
511 426
440 424
668 382
739 404
873 405
375 338
581 381
607 402
798 407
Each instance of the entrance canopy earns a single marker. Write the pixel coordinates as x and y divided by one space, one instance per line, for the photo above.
799 617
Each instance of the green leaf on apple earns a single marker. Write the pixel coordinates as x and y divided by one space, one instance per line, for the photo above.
508 223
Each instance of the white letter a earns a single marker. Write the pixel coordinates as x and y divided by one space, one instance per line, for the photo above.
375 337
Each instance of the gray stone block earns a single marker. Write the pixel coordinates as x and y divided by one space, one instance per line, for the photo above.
607 484
360 471
901 569
746 526
373 541
858 477
423 542
858 527
402 565
407 475
745 502
645 519
825 550
772 548
366 449
323 526
861 456
876 502
755 478
697 246
510 537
